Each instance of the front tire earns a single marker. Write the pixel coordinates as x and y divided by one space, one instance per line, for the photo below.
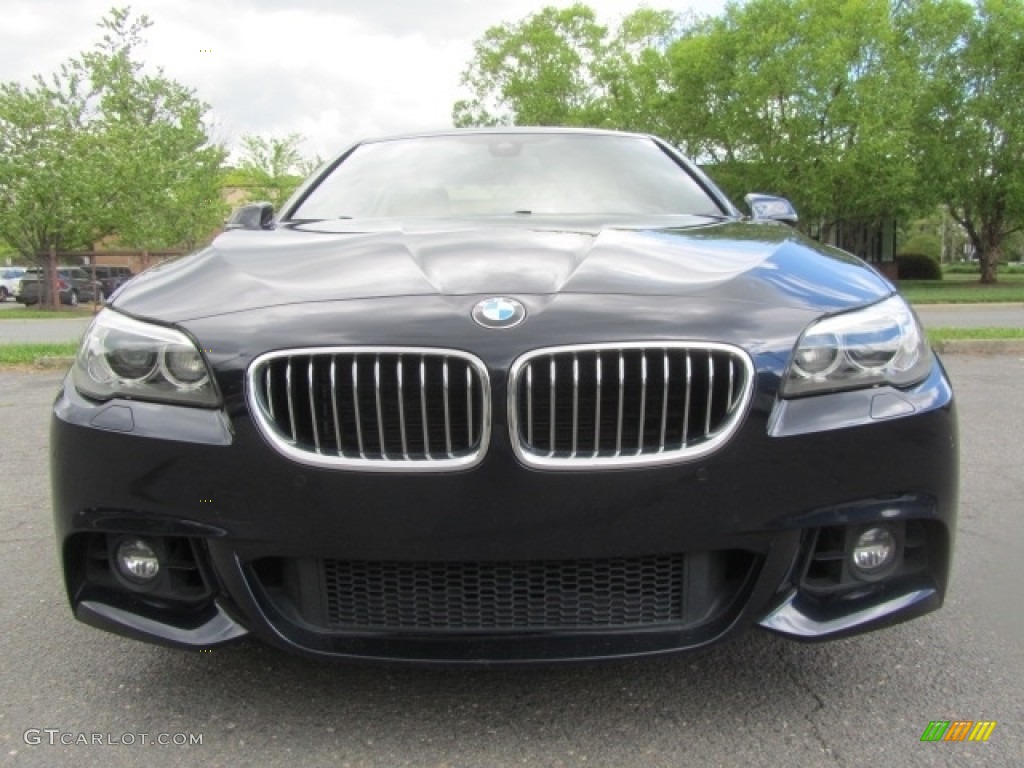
3 293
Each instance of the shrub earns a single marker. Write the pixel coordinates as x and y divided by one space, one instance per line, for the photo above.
917 266
924 243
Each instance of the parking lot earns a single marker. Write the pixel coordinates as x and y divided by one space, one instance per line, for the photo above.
759 700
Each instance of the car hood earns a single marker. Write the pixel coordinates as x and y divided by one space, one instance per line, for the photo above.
338 261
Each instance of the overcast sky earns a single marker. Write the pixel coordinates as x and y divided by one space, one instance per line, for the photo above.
332 70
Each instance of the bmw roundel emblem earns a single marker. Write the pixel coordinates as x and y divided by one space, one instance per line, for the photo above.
499 312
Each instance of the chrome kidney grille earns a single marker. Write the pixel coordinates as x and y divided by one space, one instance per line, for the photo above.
606 405
375 409
423 409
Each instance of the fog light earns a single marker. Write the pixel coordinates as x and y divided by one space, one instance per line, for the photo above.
874 551
137 561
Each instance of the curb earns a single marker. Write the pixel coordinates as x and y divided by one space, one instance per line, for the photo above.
980 347
947 306
53 362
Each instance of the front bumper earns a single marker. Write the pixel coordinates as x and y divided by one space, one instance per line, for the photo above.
254 534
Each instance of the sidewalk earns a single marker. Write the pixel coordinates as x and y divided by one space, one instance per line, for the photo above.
53 331
971 315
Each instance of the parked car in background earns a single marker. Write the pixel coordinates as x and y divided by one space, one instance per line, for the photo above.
9 279
108 278
74 285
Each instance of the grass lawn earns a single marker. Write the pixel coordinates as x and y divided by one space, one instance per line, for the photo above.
964 289
24 313
953 334
26 354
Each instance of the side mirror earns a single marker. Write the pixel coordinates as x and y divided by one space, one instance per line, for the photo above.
252 216
771 208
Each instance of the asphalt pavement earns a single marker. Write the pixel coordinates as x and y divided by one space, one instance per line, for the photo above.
757 701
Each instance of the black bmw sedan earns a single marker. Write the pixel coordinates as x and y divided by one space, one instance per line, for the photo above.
514 395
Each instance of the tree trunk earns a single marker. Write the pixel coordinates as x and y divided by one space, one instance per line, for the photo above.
989 260
988 270
990 250
987 239
51 279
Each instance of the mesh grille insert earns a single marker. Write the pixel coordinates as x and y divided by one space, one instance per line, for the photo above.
563 594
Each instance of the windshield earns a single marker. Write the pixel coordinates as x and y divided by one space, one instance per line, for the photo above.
503 174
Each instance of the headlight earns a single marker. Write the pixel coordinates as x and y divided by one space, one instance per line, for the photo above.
122 357
881 344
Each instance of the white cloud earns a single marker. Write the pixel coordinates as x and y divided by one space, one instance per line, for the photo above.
333 70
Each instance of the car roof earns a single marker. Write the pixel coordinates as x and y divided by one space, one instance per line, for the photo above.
500 130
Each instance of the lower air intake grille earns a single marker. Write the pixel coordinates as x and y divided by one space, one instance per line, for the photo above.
505 595
650 591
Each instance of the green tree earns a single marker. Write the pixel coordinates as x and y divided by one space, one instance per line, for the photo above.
970 118
157 149
634 73
49 188
272 168
937 234
805 98
539 71
49 197
559 66
101 148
